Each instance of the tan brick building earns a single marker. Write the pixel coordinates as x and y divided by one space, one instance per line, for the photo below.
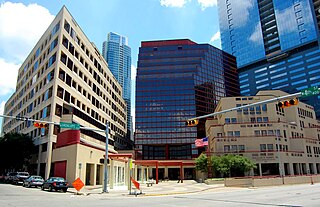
257 132
65 78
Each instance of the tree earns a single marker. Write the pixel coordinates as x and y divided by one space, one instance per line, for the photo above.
15 151
202 163
231 165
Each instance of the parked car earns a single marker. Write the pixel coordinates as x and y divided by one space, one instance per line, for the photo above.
33 180
9 177
55 183
20 177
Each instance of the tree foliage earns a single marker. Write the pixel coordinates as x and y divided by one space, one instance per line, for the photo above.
15 151
231 165
202 163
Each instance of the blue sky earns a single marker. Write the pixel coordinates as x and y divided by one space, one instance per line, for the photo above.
23 22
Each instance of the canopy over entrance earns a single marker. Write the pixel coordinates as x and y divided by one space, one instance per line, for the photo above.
158 163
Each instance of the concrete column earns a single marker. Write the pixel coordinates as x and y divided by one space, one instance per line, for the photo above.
116 179
315 168
291 169
251 173
49 158
94 174
129 170
166 172
260 170
307 167
111 174
142 174
126 173
147 174
102 174
282 169
136 172
39 159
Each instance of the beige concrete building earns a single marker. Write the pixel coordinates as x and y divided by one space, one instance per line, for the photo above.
65 78
267 134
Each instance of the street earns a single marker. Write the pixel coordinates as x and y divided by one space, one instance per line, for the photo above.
293 195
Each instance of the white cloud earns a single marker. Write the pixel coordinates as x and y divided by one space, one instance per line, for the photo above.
256 36
173 3
8 77
207 3
2 107
133 72
216 40
21 27
215 37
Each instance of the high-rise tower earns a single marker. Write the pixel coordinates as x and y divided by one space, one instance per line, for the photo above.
178 80
275 43
117 53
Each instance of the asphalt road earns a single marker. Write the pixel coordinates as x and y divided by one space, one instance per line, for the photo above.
283 196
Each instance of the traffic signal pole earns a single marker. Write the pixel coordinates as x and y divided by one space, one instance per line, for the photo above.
50 144
105 181
248 106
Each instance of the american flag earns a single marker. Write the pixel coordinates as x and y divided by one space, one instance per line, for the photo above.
205 141
199 143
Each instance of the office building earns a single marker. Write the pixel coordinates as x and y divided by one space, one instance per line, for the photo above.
117 53
66 79
178 80
281 141
276 44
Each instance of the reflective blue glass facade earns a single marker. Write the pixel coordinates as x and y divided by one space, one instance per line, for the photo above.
117 53
177 80
275 43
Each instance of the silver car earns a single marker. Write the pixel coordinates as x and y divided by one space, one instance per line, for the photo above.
33 180
20 177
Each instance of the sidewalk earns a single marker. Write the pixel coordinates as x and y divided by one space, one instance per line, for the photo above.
163 188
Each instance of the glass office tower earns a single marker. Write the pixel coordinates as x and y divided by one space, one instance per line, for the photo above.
117 53
178 80
275 43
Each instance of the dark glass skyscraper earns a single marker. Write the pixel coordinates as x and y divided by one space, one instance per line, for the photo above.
275 43
177 80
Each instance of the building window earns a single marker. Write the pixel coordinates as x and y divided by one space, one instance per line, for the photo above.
263 147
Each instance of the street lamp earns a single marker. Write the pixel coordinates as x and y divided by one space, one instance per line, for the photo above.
105 182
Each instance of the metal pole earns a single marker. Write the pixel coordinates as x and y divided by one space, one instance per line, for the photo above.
279 159
249 105
105 182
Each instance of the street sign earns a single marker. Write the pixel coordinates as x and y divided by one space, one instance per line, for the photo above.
310 91
69 125
78 184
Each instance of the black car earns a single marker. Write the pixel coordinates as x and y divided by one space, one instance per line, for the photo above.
55 183
20 177
33 180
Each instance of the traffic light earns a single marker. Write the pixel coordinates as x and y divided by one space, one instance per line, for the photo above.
288 103
193 122
40 125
